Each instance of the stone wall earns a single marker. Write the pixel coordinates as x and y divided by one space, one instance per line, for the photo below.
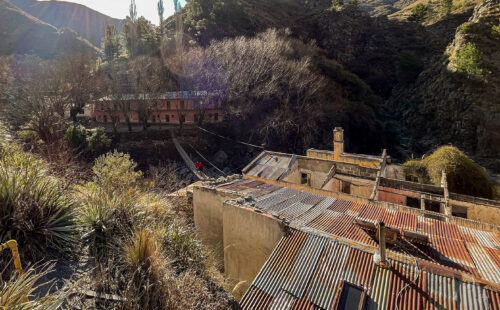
356 170
411 186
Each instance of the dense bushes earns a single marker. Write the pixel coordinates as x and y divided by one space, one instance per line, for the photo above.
144 248
92 143
464 175
469 60
34 208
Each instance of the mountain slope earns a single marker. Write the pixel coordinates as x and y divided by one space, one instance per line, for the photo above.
457 99
89 24
24 34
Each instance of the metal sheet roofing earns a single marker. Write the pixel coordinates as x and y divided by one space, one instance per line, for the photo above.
465 249
305 269
270 165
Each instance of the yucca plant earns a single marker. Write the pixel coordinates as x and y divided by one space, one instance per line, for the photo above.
34 209
19 292
105 216
184 249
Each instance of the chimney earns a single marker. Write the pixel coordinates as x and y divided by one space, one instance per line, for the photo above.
380 257
338 142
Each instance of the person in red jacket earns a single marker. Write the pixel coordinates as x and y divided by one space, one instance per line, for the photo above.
199 166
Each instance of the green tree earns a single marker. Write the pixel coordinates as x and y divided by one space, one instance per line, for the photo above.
446 6
420 13
111 43
140 38
336 4
161 10
496 28
464 175
469 60
133 11
355 3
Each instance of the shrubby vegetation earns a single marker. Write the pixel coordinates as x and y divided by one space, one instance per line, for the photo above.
90 143
463 174
141 246
421 13
16 292
34 207
496 28
469 60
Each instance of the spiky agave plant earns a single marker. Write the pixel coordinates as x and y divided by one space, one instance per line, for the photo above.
34 209
19 292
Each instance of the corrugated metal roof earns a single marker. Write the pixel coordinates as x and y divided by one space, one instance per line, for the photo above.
304 272
271 166
465 248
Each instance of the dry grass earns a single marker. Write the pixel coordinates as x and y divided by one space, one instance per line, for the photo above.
20 292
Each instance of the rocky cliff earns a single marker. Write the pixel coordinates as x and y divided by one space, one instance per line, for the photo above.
457 100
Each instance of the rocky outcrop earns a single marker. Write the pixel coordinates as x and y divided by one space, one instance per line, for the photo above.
449 105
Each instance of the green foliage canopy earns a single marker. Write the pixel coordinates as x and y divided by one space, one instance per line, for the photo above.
111 43
463 174
469 60
115 171
420 13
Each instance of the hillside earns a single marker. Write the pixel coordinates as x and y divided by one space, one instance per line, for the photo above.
24 34
88 23
456 99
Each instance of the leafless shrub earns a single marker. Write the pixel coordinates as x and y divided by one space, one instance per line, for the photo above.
270 74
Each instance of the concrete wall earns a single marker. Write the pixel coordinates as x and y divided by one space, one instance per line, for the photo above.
477 212
249 239
240 239
348 158
207 207
318 169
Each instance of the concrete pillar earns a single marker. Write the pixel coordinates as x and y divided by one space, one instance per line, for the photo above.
422 202
338 142
446 204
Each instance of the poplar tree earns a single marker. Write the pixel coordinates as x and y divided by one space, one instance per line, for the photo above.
161 10
111 43
133 11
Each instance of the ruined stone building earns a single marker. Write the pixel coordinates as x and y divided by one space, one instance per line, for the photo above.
333 230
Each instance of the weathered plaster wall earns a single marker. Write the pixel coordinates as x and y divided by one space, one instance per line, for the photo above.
317 168
240 238
249 239
345 157
207 207
477 212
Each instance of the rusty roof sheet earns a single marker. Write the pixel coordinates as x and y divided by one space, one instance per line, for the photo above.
465 249
270 165
304 272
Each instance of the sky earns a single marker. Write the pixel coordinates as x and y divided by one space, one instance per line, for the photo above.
120 8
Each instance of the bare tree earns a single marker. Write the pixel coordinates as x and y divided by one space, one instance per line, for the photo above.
117 104
147 86
80 74
39 100
270 74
